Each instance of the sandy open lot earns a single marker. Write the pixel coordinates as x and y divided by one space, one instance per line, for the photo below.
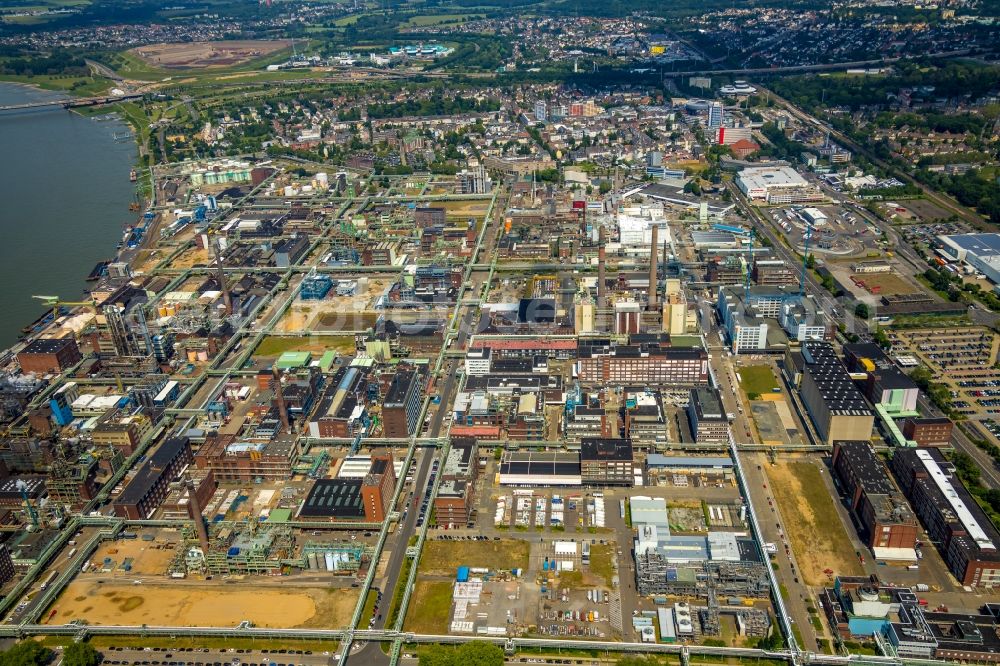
815 530
187 604
887 282
208 54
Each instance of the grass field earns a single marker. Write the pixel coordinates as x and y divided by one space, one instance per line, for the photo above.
814 527
425 20
757 379
80 86
276 345
600 562
430 608
444 557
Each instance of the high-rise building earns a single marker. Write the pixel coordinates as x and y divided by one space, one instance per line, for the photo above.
715 115
541 111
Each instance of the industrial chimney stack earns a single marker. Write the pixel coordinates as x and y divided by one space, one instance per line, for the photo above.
280 398
652 267
194 506
602 297
226 297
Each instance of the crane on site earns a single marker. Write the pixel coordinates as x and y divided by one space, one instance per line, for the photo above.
55 303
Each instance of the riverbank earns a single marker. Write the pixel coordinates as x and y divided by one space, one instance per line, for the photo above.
66 200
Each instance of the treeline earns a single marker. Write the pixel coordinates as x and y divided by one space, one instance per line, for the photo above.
950 79
781 146
58 63
972 189
436 105
955 123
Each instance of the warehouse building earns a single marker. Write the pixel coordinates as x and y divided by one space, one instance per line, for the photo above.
981 251
836 407
968 541
776 185
540 468
885 521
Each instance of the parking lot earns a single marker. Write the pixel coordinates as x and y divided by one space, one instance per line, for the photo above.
963 358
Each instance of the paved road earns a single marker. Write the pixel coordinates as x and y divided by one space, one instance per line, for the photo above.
206 657
372 653
770 518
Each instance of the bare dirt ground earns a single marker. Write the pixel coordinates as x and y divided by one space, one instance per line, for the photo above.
204 605
817 534
208 54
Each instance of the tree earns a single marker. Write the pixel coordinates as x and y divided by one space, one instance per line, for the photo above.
476 653
81 654
811 261
26 653
861 310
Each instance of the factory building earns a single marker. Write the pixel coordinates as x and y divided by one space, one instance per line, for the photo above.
149 487
836 407
928 431
967 539
540 468
607 462
647 363
46 355
707 416
884 519
401 406
775 273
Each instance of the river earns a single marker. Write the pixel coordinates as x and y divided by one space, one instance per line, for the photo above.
64 196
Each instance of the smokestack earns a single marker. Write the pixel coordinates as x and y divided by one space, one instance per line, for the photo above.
227 299
194 507
280 397
602 297
652 267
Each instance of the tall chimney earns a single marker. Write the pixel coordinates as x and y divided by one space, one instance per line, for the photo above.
602 297
652 267
194 507
280 397
226 297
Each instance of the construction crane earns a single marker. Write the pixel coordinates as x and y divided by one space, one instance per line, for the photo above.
55 303
22 487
